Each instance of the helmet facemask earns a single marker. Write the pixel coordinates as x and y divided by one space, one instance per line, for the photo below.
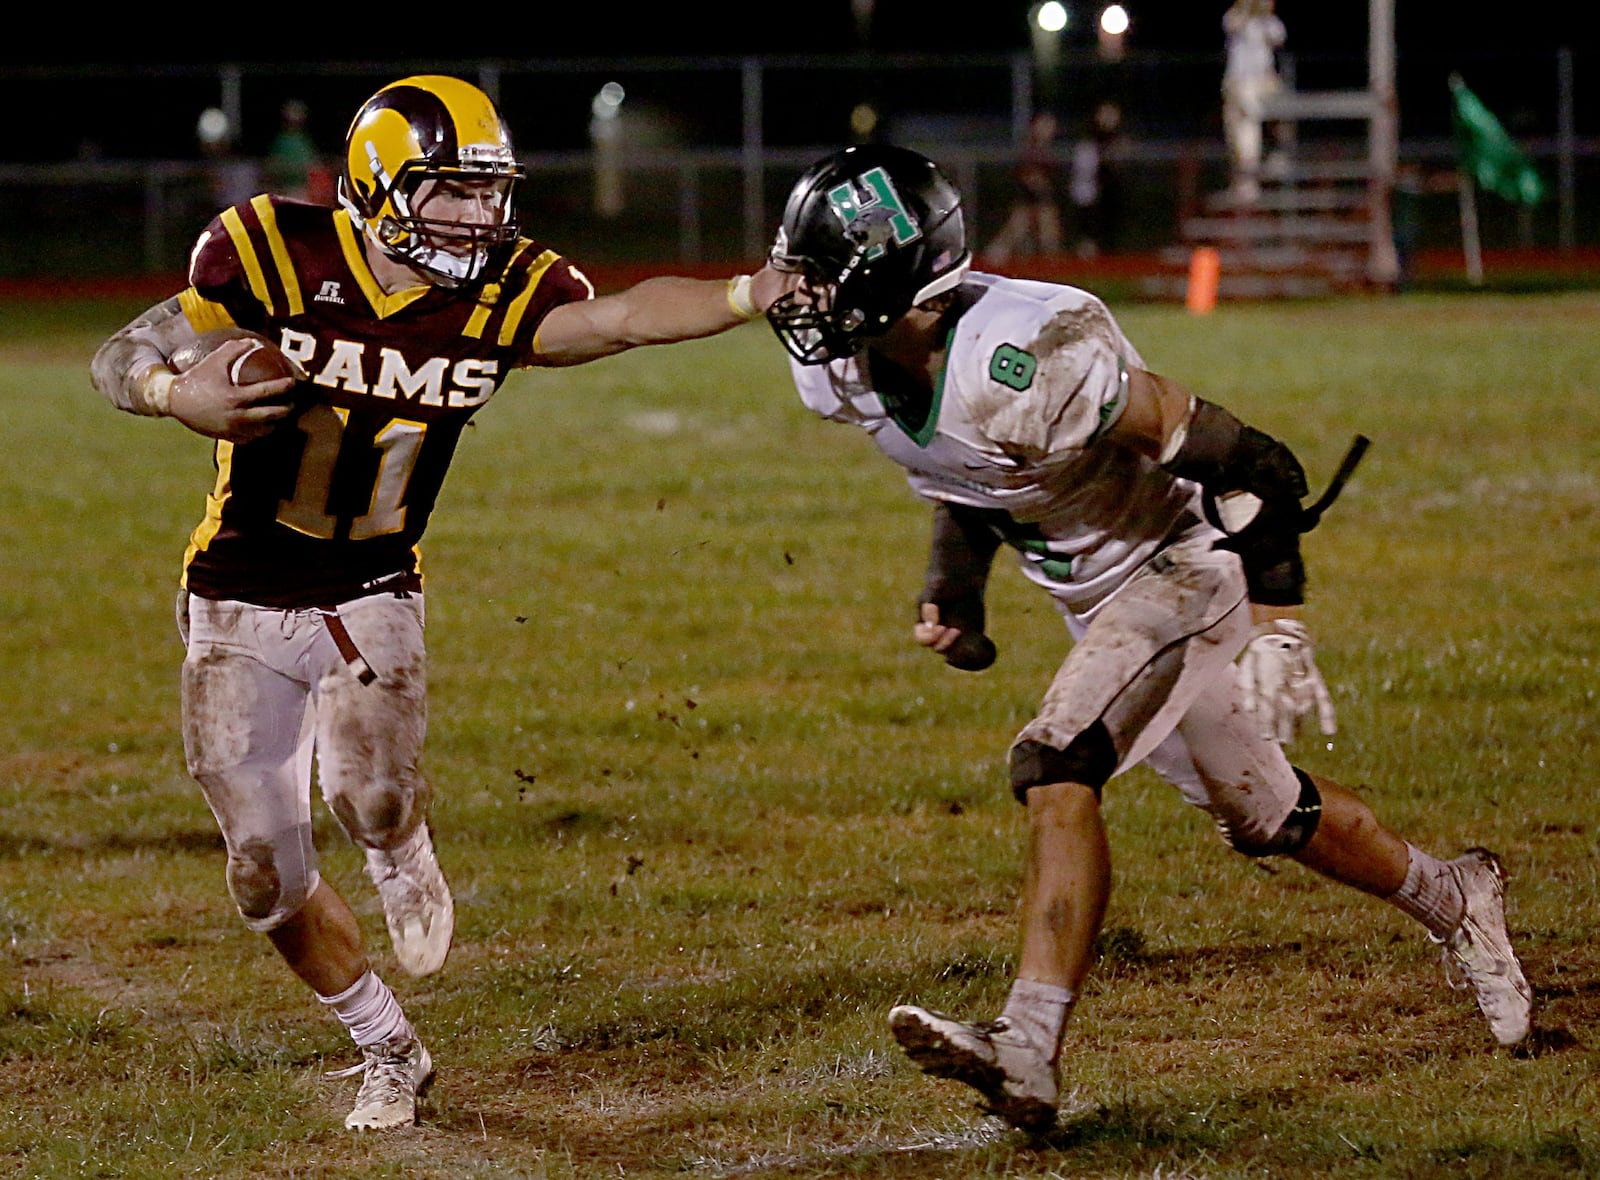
451 252
805 318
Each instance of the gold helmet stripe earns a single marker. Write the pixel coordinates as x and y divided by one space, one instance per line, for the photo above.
471 111
280 253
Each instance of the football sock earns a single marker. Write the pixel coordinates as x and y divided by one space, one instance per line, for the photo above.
369 1010
1431 894
1039 1011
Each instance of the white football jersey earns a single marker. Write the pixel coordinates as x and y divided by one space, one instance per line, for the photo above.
1035 375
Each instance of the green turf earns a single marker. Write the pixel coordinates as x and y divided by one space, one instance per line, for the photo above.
708 812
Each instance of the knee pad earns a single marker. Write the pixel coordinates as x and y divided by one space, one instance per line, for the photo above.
1292 835
1089 759
380 815
271 880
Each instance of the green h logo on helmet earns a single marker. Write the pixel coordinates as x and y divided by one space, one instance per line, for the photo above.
848 206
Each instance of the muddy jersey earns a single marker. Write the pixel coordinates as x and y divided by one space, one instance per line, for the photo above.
331 505
1035 375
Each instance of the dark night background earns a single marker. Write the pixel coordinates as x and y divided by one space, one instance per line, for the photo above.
123 82
122 93
168 34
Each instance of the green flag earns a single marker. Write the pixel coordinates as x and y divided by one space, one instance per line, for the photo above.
1487 153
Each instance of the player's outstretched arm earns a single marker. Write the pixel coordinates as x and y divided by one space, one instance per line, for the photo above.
662 310
133 370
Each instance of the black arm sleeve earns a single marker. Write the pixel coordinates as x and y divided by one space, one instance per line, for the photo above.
959 559
1223 456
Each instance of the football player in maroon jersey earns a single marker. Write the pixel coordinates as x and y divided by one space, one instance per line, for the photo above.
404 308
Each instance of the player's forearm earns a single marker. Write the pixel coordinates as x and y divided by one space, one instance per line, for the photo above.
1226 457
131 368
668 309
960 553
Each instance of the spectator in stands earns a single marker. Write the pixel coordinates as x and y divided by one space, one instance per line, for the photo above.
1254 33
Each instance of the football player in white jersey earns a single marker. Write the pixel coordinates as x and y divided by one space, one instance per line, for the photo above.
1168 534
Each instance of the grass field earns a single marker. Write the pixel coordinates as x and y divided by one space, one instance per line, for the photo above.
709 813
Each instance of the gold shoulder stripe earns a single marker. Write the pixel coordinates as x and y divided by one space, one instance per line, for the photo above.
480 314
234 224
280 253
207 529
490 295
519 305
356 260
203 314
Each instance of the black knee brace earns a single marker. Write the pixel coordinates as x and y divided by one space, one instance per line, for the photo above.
1294 833
1090 759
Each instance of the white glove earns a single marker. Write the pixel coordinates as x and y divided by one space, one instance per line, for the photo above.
1279 681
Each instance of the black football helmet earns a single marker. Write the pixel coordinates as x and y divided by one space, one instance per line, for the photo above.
429 127
875 230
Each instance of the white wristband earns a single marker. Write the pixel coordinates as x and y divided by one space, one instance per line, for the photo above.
157 384
739 298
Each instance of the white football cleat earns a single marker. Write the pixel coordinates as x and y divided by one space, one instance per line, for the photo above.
417 906
393 1075
1478 953
1018 1082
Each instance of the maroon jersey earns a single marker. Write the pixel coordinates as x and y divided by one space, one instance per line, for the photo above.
332 504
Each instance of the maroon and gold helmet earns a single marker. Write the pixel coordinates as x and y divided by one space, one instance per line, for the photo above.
429 127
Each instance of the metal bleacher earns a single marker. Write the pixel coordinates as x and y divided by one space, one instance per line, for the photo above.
1309 231
1316 225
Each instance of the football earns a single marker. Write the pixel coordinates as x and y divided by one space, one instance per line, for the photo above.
264 361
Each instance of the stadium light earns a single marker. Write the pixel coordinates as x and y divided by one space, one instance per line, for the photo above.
1050 17
1113 24
607 103
606 138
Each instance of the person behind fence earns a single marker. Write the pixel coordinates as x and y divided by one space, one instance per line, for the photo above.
1094 182
292 157
401 313
1033 225
1167 534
